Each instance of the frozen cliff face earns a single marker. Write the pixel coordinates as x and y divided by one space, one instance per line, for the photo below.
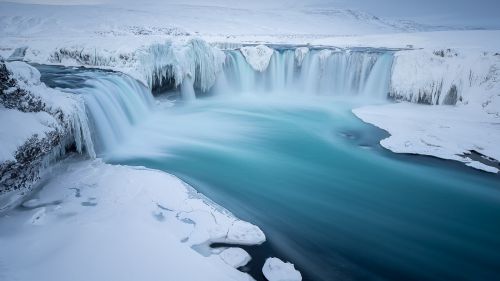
159 65
170 63
38 124
447 77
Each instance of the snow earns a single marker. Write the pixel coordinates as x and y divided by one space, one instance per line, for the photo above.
258 57
170 18
276 270
24 73
17 127
90 213
446 132
434 76
28 79
481 166
194 58
300 54
148 223
235 257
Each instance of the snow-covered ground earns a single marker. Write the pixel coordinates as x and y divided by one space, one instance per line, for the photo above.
193 17
446 132
94 221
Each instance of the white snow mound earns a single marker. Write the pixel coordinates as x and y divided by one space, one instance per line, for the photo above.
300 54
235 257
258 57
276 270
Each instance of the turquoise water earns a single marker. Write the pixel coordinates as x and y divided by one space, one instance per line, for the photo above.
311 175
329 198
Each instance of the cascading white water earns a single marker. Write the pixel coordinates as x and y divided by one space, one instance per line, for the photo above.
114 103
318 72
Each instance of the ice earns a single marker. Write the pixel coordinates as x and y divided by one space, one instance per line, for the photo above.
481 166
447 76
244 233
235 257
258 57
196 59
321 72
300 54
275 269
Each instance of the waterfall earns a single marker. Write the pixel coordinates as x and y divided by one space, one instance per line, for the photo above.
114 104
318 72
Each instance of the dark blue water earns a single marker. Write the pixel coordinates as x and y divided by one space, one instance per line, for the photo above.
329 198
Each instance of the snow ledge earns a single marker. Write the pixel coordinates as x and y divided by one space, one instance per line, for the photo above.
447 132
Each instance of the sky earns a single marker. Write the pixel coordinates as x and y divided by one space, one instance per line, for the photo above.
477 13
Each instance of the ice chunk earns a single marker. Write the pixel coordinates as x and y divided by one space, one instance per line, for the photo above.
480 166
300 54
235 257
245 233
258 57
276 270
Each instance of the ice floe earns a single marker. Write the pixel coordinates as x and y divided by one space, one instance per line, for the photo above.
276 270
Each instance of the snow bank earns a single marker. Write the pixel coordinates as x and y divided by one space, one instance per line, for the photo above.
276 270
447 76
63 106
148 223
38 125
442 131
258 57
17 127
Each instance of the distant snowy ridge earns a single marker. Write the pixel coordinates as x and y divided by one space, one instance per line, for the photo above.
177 19
396 25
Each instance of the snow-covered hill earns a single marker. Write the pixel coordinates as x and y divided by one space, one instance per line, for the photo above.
183 19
